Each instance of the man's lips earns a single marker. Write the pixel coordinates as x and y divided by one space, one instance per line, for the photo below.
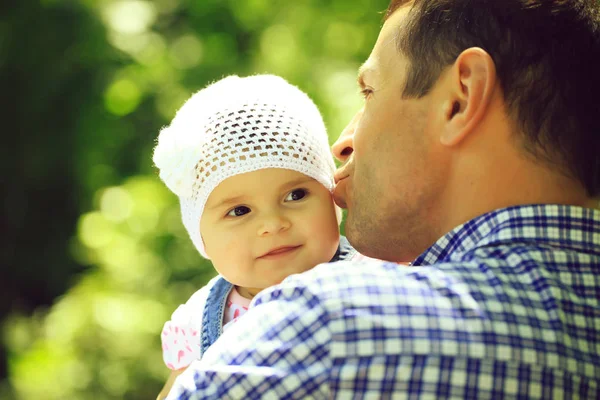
341 174
339 192
278 251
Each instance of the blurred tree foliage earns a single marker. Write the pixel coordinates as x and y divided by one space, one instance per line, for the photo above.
94 255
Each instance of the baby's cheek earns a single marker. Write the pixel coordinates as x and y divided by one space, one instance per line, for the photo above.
325 247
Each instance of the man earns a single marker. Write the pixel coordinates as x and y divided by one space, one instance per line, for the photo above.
476 157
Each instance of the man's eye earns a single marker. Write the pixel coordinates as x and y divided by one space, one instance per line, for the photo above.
296 195
366 92
238 211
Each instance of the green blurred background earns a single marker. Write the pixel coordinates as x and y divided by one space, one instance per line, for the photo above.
94 255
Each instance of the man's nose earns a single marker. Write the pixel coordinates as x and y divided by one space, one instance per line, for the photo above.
344 145
273 223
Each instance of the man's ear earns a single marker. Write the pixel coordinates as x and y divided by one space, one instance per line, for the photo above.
472 79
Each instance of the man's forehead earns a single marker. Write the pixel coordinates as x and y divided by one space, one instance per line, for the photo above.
385 50
395 5
392 26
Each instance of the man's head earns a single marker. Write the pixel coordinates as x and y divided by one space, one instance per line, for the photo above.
455 88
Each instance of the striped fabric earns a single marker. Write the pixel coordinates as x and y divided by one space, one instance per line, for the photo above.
504 306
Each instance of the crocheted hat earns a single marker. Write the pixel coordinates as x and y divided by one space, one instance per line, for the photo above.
239 125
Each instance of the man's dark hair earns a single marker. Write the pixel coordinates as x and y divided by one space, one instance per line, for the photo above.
547 57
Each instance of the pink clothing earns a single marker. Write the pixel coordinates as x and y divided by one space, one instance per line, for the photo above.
237 305
181 335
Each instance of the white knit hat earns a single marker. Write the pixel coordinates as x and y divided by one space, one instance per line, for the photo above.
239 125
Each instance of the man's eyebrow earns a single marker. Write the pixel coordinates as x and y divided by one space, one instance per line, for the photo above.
362 72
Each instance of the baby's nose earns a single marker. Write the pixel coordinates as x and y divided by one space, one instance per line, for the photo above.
273 223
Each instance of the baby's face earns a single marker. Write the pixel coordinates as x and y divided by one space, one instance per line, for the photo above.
261 226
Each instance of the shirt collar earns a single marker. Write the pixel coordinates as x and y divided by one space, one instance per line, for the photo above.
565 226
345 251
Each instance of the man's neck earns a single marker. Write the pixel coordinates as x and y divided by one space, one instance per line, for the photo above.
484 181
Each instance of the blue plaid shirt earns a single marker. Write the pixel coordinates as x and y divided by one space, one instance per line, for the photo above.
504 306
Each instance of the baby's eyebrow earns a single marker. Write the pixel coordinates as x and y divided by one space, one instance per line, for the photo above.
228 201
296 182
241 198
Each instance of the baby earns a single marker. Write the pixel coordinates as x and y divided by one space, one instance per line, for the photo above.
250 161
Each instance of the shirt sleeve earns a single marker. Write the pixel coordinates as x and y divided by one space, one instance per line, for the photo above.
278 349
180 335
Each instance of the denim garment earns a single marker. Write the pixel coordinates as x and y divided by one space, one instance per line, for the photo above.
212 317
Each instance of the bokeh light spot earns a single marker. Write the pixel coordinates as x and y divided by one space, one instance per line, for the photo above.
278 47
130 16
186 52
343 39
122 97
94 230
116 204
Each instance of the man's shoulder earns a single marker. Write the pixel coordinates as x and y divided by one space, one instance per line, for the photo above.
362 269
477 285
361 279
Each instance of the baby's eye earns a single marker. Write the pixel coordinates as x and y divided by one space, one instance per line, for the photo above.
238 211
297 194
